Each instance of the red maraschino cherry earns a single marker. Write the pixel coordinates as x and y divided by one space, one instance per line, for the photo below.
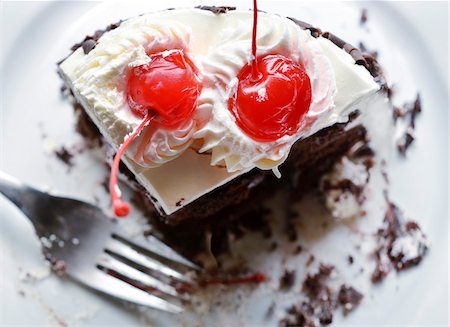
271 98
272 95
168 85
163 91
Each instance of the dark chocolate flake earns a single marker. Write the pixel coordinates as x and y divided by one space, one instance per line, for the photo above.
336 40
405 141
287 280
349 298
350 260
179 202
363 18
315 32
216 10
65 156
88 45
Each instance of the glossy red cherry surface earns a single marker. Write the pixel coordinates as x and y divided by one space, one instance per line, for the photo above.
271 98
168 86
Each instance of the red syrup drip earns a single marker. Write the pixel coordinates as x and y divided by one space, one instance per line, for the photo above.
252 279
272 96
121 208
164 92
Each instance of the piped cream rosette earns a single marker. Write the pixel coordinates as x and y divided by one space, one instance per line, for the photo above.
221 136
100 80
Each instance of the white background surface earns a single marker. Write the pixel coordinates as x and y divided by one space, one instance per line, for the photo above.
413 41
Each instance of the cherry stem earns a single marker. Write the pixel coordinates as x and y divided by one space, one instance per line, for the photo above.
255 24
121 208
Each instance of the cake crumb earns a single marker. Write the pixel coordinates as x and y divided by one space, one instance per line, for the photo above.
350 260
407 115
287 280
349 298
363 18
401 244
310 260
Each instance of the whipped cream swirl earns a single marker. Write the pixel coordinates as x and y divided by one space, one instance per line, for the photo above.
100 80
222 137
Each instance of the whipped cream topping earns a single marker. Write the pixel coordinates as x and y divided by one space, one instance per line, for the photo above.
99 79
276 35
219 45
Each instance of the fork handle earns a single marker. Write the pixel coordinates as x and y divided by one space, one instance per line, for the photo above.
18 193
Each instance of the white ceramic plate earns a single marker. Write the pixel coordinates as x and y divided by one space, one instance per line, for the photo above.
34 119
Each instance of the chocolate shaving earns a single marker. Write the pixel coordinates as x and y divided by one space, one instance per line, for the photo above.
88 45
405 141
336 40
90 41
350 260
363 18
287 280
65 156
407 111
216 10
315 32
415 109
179 202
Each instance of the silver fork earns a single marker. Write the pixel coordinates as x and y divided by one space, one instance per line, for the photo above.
81 241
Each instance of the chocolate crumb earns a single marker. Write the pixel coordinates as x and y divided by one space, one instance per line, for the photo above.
363 18
179 202
310 260
409 112
313 284
405 141
320 294
65 156
415 109
350 260
287 280
298 249
298 315
401 244
349 298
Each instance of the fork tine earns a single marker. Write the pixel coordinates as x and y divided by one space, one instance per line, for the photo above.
130 253
110 261
175 257
101 281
